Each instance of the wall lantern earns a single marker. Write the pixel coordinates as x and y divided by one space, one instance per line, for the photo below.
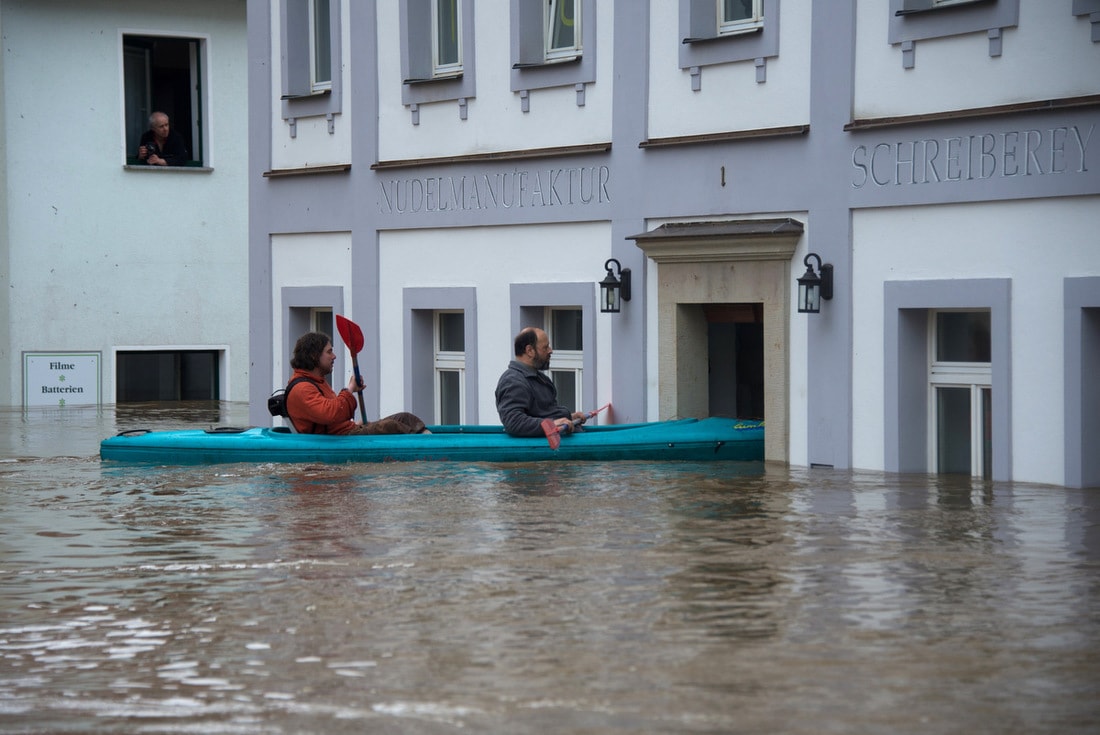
614 290
812 288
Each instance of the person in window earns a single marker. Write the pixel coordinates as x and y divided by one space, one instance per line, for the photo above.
525 395
160 145
317 409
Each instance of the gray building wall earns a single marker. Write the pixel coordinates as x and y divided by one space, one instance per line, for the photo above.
833 167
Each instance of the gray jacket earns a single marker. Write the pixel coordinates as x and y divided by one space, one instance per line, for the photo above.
525 397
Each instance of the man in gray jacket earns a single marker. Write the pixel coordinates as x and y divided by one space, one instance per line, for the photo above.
525 396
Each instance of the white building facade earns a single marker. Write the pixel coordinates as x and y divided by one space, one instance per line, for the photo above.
445 173
122 282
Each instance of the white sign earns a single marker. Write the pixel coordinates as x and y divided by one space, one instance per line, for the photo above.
60 379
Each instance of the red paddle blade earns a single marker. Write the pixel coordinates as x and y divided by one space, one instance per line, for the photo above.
350 333
553 435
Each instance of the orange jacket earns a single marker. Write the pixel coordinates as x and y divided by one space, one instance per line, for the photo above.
319 412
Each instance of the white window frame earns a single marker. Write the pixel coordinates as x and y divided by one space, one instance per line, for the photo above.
566 361
446 70
732 27
976 376
563 53
446 361
320 43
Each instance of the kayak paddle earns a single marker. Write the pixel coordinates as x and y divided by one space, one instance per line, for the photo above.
353 338
553 433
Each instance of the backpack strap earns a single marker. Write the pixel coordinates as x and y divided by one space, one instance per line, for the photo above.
286 396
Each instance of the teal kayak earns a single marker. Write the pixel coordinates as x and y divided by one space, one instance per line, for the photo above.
683 439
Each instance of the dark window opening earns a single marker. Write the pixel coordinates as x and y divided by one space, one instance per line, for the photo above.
167 376
164 74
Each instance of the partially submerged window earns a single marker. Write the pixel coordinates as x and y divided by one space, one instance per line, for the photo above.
164 74
564 328
961 379
167 375
450 367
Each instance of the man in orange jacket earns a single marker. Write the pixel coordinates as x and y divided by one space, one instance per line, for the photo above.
317 409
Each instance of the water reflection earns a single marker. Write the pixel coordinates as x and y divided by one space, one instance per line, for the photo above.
626 597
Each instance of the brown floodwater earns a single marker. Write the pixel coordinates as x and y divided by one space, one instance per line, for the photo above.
530 598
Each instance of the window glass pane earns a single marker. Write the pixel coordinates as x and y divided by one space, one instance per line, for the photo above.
566 328
953 431
452 332
322 40
446 29
450 397
962 336
733 10
566 382
562 25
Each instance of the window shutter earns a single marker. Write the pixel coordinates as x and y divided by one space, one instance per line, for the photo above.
419 48
295 41
915 6
531 49
702 20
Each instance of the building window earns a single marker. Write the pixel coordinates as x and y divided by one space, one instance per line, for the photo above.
553 43
960 380
935 338
165 74
447 32
320 40
167 375
739 16
434 35
732 30
565 328
563 30
911 21
310 57
450 367
440 326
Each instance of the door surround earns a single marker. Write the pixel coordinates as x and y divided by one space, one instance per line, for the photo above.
733 261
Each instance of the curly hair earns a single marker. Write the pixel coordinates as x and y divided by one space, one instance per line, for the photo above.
308 349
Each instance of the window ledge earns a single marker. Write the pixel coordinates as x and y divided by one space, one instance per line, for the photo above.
278 173
166 169
548 63
724 137
942 8
306 95
514 155
728 35
430 80
869 123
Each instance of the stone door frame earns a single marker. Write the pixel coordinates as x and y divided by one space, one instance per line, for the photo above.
736 261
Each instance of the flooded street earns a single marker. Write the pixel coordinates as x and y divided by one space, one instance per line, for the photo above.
530 598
